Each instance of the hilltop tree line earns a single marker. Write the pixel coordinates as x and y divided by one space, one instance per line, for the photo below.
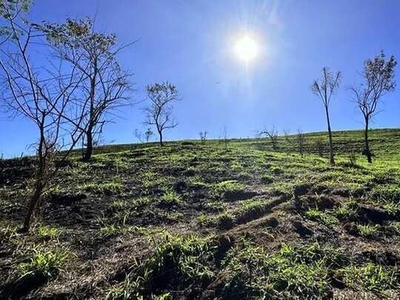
72 93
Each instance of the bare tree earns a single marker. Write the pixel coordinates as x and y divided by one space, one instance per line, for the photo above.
324 88
288 139
159 111
106 87
148 134
225 136
203 135
300 139
272 135
42 95
319 146
379 79
138 135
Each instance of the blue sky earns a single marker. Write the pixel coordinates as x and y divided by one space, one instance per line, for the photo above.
189 43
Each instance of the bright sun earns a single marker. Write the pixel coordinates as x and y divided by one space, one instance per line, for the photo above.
246 48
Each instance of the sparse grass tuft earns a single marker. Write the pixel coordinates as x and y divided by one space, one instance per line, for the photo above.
170 199
46 263
372 277
102 188
368 230
324 217
47 232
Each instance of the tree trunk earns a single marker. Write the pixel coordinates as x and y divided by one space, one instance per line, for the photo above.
89 144
40 180
161 138
331 157
367 150
32 207
92 122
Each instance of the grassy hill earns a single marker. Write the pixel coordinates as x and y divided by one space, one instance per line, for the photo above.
209 220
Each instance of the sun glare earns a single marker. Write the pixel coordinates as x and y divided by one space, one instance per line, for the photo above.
246 48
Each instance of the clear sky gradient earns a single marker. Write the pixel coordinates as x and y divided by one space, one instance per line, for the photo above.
189 43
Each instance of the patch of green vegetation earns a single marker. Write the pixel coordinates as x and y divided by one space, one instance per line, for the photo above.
244 175
216 206
371 277
368 230
46 263
147 200
250 210
393 208
197 182
282 188
224 221
396 226
102 188
47 232
229 186
388 192
327 219
170 199
182 260
347 211
291 273
220 221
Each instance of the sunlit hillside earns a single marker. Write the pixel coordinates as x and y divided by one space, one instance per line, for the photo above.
220 219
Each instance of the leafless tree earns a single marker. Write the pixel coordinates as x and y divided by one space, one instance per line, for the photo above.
106 87
272 135
138 135
300 139
42 95
378 78
225 136
203 135
148 134
288 139
324 88
319 146
159 111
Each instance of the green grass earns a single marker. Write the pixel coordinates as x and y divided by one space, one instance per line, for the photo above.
372 277
170 199
196 219
368 230
47 232
323 217
46 263
102 188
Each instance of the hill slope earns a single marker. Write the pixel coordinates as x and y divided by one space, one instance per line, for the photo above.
209 220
